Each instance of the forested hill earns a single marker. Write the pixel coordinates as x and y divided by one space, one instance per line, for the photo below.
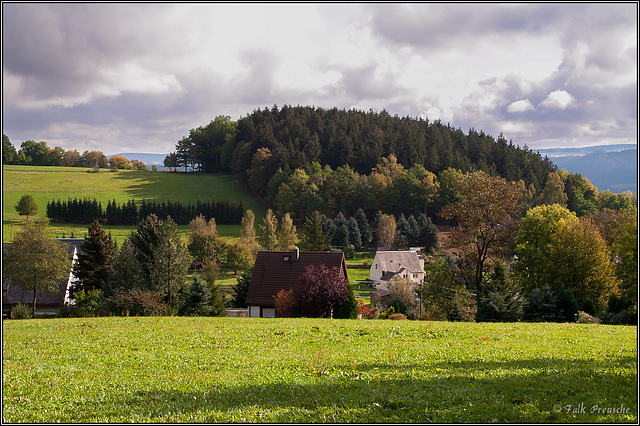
298 136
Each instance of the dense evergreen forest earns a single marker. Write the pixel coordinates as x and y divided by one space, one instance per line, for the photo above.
266 148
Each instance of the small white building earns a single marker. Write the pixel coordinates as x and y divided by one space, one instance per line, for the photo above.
405 264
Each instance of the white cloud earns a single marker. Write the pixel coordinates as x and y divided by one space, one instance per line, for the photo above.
558 99
156 68
520 106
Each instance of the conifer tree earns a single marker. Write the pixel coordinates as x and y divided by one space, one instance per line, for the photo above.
96 256
363 225
314 239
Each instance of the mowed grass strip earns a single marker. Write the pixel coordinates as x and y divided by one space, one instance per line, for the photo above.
53 183
180 369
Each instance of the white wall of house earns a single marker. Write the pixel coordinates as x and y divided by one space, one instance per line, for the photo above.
260 312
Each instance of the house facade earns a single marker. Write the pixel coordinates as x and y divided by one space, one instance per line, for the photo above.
47 303
279 270
394 265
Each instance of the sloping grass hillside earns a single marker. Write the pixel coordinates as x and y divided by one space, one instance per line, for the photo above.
51 183
196 369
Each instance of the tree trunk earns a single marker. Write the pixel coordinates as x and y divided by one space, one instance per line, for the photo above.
33 306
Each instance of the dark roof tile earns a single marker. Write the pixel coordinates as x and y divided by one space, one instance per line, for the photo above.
276 270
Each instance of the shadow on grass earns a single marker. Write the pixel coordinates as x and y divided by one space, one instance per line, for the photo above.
187 187
536 390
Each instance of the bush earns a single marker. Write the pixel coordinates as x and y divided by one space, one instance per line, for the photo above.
89 303
137 302
286 304
585 318
348 309
397 317
21 311
387 313
67 311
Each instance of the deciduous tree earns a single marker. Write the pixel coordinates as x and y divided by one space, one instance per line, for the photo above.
533 243
36 261
26 206
268 237
287 235
484 214
322 288
386 232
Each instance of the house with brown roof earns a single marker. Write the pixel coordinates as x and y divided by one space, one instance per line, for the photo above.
280 270
48 303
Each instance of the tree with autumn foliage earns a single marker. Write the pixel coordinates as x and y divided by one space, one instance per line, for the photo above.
554 247
581 260
484 215
533 242
322 289
286 304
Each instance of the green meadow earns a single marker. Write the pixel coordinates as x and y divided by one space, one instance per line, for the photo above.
211 370
52 183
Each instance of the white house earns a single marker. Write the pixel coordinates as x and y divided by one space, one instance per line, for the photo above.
407 264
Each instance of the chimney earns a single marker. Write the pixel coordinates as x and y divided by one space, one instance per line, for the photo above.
296 254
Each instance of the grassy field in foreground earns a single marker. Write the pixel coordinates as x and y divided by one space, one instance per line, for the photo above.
178 369
51 183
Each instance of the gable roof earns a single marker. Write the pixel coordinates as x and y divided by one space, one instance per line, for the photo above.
394 260
13 293
277 270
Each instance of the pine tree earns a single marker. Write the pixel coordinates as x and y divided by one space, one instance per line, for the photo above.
170 261
502 300
314 239
363 225
126 271
566 304
197 300
355 237
95 259
241 290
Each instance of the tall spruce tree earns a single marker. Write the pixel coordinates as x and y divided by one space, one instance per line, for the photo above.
170 262
314 239
97 253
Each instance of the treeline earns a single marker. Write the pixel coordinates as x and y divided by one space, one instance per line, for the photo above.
32 153
299 136
303 159
129 213
257 147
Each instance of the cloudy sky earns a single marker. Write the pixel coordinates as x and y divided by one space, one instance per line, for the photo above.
136 77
